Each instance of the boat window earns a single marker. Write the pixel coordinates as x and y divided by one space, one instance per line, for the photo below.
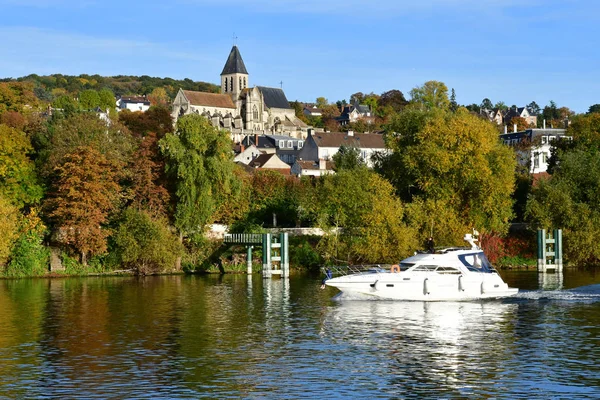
447 270
405 266
426 268
476 262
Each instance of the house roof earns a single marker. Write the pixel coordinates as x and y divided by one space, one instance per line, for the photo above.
234 64
337 139
209 99
274 97
312 165
270 161
135 99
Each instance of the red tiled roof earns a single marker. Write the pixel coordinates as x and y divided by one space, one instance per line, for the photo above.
209 99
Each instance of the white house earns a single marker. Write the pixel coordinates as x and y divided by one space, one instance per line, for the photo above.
541 142
312 168
323 145
247 154
133 103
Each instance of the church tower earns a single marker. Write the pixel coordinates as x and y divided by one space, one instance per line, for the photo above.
234 77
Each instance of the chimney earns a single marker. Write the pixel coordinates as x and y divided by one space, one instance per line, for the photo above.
350 133
544 124
256 139
322 164
505 129
515 128
242 148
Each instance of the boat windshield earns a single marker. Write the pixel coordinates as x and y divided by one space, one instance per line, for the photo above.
476 262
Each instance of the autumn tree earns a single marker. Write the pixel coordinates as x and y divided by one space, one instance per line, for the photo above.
452 162
89 99
8 225
84 130
147 178
159 97
520 122
84 194
432 94
157 119
200 164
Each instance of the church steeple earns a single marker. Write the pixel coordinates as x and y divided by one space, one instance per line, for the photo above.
234 64
234 77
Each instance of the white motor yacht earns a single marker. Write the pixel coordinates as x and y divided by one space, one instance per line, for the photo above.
455 273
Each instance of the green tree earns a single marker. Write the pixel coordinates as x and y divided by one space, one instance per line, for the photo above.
145 243
486 104
200 165
432 94
595 108
453 103
501 106
533 108
107 99
8 225
89 99
394 99
18 179
347 157
321 102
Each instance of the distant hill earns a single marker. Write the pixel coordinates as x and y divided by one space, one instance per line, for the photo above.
47 87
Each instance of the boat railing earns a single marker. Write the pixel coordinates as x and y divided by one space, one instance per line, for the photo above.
342 270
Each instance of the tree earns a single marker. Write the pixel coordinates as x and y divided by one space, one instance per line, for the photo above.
432 94
84 130
453 103
157 119
107 99
486 104
533 108
85 192
347 157
595 108
8 225
501 106
89 99
394 99
147 180
159 97
145 243
321 102
200 166
18 180
455 160
521 123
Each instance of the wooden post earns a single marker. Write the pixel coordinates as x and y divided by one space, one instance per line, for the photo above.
285 255
541 242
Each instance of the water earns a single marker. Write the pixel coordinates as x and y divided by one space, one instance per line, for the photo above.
241 337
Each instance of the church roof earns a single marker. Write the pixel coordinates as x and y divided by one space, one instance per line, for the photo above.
209 99
234 64
274 97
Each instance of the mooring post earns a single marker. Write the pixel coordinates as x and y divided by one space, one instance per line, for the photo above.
541 242
249 260
285 255
266 246
558 258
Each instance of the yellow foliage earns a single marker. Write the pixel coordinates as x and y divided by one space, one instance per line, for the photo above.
9 216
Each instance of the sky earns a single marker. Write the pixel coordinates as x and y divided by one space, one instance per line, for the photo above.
511 51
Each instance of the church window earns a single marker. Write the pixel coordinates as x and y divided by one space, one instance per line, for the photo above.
245 84
255 113
241 87
225 85
231 84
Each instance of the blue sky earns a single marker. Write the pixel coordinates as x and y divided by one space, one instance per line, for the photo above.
511 51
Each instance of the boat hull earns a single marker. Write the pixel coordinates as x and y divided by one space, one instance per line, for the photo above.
424 287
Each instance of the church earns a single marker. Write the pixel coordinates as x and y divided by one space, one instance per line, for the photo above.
239 108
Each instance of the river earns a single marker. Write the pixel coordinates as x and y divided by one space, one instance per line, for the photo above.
244 337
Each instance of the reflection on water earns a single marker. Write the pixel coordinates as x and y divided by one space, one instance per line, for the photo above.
245 337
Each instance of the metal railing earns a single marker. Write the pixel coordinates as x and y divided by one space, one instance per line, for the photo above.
342 270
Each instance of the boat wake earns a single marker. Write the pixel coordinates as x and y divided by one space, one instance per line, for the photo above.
587 294
590 293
